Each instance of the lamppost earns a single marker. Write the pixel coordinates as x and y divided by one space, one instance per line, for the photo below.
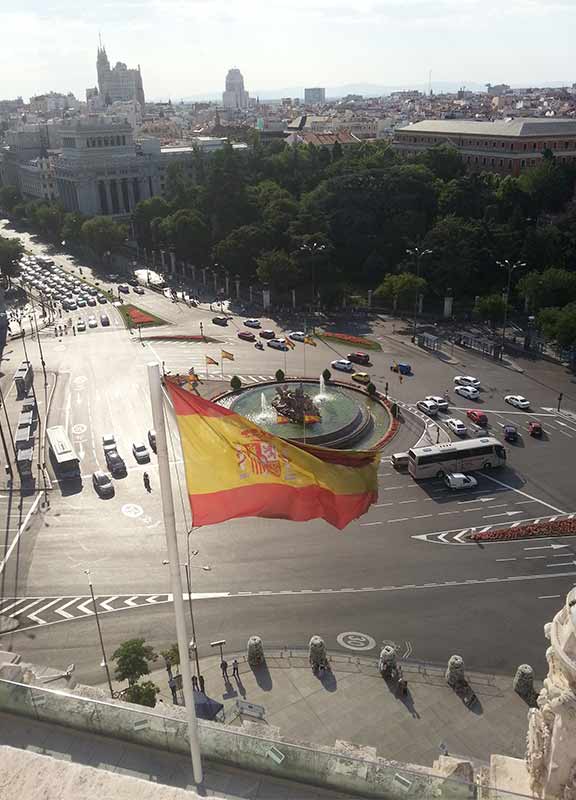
417 254
104 659
313 249
509 266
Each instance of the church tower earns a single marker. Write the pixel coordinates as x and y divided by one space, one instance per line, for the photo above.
102 69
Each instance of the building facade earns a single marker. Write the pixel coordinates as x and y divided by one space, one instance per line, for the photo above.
235 97
99 170
505 146
118 83
315 96
38 179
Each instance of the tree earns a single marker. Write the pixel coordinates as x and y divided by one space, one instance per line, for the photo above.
172 654
278 269
235 383
279 376
371 389
444 161
238 251
9 198
551 288
72 226
559 324
327 375
143 694
11 251
188 233
132 660
155 208
401 289
102 234
491 307
49 218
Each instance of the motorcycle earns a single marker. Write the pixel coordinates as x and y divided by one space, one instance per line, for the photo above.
259 346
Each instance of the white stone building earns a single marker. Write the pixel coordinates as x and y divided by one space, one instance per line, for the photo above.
235 97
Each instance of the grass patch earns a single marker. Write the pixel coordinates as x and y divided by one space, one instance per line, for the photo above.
349 339
135 317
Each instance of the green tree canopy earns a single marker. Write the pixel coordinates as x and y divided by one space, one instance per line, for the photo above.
143 694
9 197
132 660
72 226
11 251
278 269
49 219
559 324
491 307
102 234
144 214
401 289
444 161
188 233
553 287
238 251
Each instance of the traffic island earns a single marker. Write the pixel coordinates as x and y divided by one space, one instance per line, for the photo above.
135 317
536 530
349 339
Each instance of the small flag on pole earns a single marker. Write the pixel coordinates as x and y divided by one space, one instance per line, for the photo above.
210 360
290 343
309 340
226 354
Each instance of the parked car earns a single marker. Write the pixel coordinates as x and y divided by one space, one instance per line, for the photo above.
535 429
400 461
138 290
477 417
359 358
297 336
277 344
267 334
517 400
361 377
80 325
140 452
466 380
124 288
91 301
252 323
510 433
152 439
81 303
402 367
456 426
441 402
104 320
247 336
458 480
102 484
92 322
115 463
220 321
428 407
108 442
101 299
469 392
342 364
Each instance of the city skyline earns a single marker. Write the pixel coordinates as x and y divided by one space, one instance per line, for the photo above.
186 49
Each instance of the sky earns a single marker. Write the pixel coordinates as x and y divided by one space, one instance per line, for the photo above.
185 47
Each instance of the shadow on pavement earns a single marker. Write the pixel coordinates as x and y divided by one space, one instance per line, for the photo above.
263 677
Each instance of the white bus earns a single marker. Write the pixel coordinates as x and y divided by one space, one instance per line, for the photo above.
63 455
438 459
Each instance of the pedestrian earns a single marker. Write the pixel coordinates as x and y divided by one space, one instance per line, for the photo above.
201 679
235 671
195 683
168 665
224 668
172 685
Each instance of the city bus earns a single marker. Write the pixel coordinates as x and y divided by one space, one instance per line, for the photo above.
64 459
438 459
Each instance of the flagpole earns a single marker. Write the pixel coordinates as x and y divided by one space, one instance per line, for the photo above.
156 399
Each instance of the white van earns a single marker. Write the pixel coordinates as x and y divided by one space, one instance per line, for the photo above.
458 480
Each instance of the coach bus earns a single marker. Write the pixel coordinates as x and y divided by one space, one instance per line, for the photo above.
438 459
64 459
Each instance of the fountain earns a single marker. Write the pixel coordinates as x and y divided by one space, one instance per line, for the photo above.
322 394
267 412
294 405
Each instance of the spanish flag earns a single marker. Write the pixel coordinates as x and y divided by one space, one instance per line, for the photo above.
226 354
236 469
210 360
309 340
290 343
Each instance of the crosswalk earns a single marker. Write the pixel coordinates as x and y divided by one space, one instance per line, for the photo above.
218 376
35 611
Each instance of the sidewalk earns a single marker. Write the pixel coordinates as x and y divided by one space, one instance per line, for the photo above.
353 703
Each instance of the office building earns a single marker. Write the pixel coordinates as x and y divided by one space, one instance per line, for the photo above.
118 83
315 96
235 97
506 146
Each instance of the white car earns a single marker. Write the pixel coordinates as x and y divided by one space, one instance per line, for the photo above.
441 402
92 322
252 323
469 392
80 325
466 380
517 400
140 452
138 290
343 365
428 407
458 480
456 426
109 442
277 344
297 336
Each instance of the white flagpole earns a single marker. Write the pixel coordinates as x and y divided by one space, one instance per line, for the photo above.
156 399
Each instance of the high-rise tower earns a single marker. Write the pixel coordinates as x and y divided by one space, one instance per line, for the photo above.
119 83
234 95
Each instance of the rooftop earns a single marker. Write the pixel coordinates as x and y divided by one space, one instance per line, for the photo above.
519 126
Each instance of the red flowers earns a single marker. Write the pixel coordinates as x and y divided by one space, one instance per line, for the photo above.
139 317
557 527
350 339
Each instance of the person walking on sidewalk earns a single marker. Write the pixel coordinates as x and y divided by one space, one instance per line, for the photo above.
172 685
201 681
235 671
195 683
224 668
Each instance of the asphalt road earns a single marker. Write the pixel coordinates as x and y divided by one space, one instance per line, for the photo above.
400 573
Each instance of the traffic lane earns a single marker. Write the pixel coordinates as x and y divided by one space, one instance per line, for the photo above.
436 621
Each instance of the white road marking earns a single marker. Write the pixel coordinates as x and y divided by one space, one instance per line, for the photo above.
548 547
400 519
506 559
20 532
382 505
501 505
533 558
524 494
64 613
502 514
402 502
548 596
35 617
422 516
562 564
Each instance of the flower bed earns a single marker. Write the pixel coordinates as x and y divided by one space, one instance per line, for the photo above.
557 527
181 337
135 317
139 317
348 338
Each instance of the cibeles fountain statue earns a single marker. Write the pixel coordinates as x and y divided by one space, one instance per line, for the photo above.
549 770
551 740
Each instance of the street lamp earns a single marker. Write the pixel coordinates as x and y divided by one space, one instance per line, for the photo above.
417 254
509 267
104 660
313 248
